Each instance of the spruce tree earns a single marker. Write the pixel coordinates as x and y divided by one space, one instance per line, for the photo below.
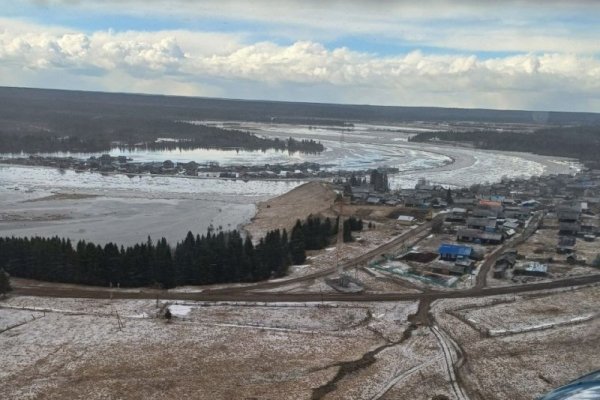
164 264
347 232
297 244
248 260
4 283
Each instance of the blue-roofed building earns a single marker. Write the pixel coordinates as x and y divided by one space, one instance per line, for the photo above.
453 252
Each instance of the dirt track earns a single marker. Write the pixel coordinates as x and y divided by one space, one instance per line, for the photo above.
241 294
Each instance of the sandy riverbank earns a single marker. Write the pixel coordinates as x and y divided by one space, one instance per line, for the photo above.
282 212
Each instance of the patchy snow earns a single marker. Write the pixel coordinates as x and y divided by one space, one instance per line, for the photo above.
524 315
180 311
134 316
91 346
13 317
300 266
186 289
508 366
540 326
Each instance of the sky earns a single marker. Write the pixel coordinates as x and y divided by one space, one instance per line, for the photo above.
511 54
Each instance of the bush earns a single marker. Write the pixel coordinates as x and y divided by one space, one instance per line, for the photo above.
437 226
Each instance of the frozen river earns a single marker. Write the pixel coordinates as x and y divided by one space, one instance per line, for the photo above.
128 209
121 209
358 148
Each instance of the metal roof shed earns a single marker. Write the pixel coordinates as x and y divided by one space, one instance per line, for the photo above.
452 251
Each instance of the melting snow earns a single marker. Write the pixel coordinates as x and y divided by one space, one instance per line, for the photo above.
179 310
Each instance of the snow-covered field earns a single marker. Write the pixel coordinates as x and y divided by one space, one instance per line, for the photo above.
524 365
96 349
85 348
538 313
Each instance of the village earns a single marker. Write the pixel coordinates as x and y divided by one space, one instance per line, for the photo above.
444 285
513 231
374 346
107 164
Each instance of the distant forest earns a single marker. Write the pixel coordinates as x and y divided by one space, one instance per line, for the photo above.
39 120
222 257
32 105
581 142
91 135
34 121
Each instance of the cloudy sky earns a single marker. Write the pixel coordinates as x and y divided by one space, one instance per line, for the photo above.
512 54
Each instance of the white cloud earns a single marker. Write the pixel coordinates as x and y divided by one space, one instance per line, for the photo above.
193 63
470 25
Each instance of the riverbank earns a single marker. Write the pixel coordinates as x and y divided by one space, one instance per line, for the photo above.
282 212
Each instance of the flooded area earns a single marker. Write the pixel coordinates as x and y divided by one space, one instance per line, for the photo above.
127 209
122 209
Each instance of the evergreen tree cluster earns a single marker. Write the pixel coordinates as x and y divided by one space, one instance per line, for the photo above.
316 232
379 181
312 234
350 225
308 146
222 257
4 283
226 257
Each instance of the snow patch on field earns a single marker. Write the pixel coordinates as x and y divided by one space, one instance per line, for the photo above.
178 310
11 318
80 347
524 315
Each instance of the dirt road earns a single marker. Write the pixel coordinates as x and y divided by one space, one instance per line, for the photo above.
242 295
481 280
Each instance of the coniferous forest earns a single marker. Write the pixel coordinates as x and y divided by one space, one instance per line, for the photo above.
222 257
579 142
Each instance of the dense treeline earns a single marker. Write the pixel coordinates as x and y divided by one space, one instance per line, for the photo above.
316 232
102 134
223 257
312 234
29 107
581 142
303 146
